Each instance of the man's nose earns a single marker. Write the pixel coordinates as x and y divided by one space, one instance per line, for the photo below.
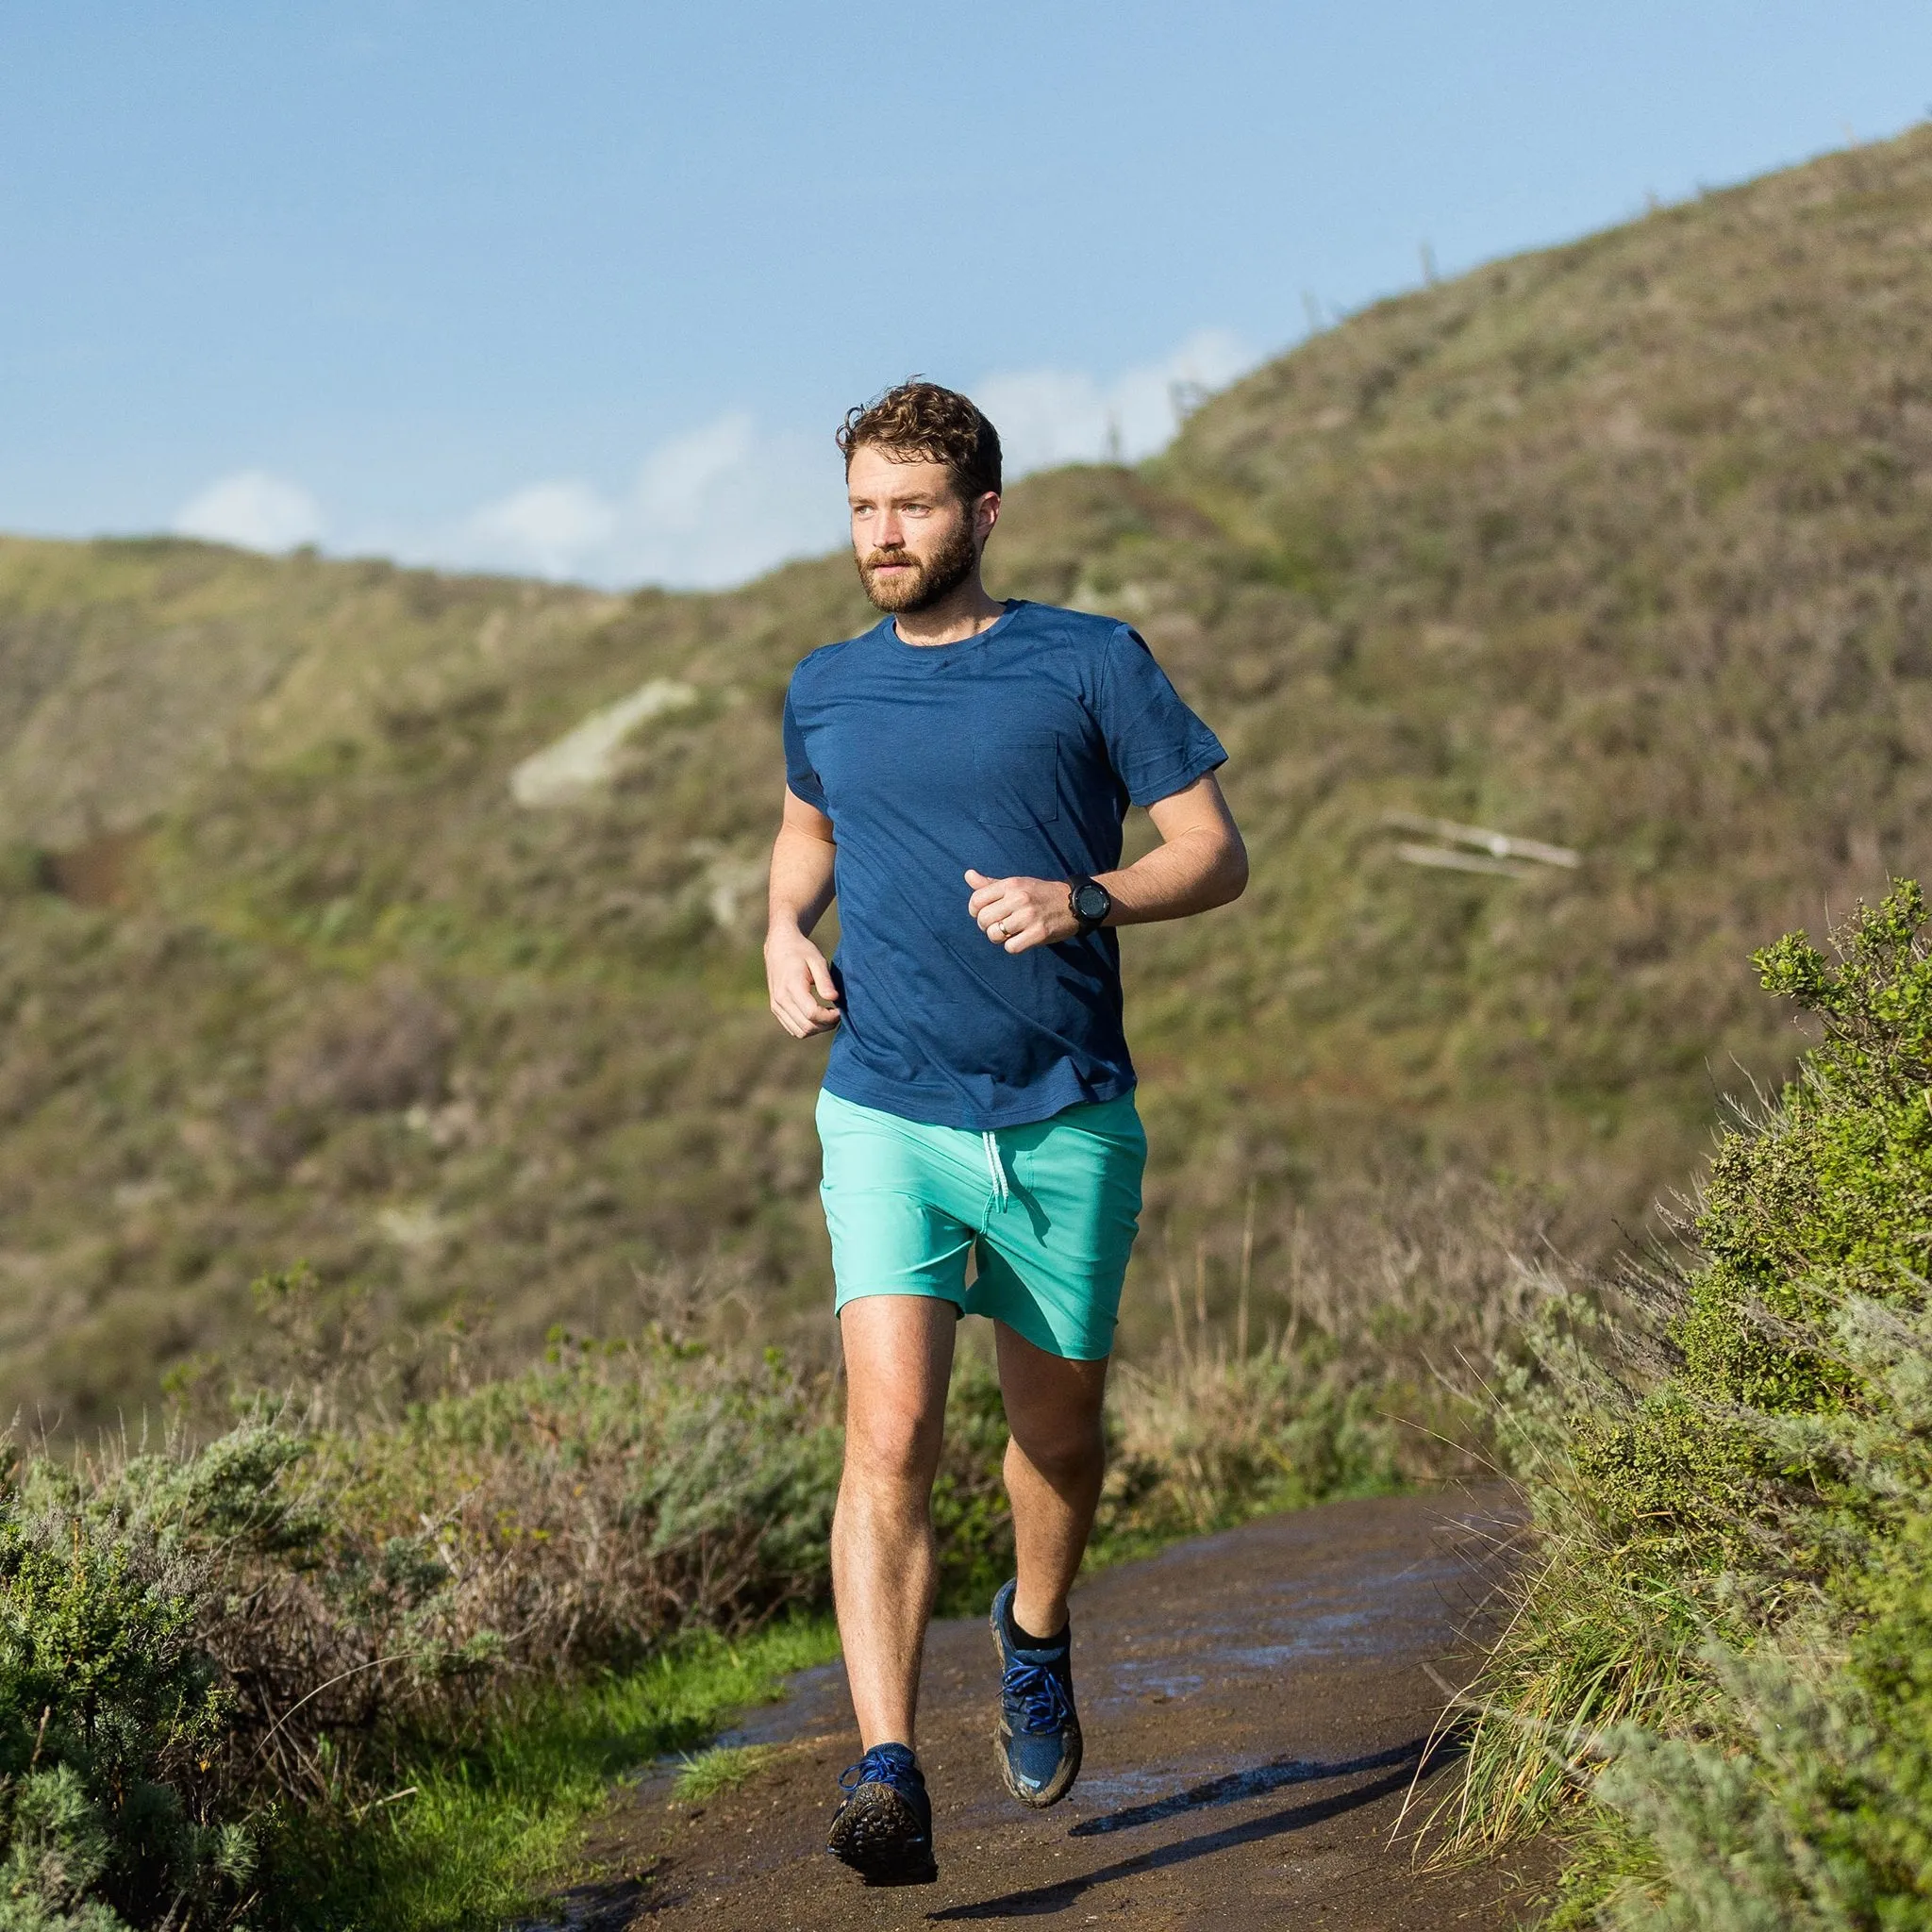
889 533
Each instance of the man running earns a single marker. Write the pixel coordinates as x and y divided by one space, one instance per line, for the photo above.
956 777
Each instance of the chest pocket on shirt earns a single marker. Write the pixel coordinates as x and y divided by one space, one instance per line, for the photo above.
1018 778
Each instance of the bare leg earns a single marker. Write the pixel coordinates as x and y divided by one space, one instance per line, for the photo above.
885 1572
1054 1464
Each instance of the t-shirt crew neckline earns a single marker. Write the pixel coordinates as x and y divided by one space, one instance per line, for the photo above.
888 624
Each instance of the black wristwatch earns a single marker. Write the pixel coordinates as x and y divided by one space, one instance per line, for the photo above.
1090 901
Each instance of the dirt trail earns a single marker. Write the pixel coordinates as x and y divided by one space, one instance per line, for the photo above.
1256 1706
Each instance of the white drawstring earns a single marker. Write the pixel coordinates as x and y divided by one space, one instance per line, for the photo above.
995 1167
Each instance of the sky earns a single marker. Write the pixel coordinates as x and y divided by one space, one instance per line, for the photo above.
582 287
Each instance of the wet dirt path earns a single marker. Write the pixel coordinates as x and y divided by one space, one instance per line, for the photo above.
1256 1706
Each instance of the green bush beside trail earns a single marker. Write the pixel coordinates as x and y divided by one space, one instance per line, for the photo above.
1727 1644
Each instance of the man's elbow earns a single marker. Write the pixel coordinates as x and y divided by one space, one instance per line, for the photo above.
1232 879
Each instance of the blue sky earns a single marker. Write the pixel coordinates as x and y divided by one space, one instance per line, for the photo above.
582 288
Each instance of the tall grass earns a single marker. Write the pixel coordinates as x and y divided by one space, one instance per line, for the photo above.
1360 1363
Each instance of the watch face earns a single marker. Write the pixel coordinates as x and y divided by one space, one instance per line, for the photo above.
1092 901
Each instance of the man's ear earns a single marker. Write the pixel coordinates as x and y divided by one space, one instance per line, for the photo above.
985 514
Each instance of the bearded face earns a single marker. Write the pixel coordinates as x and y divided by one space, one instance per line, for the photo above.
914 538
902 578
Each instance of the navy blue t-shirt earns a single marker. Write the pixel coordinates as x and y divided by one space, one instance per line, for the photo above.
1015 753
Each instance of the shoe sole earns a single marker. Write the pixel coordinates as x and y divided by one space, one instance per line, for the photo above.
1062 1780
871 1835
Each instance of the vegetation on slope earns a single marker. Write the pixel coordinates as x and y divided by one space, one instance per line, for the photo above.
1726 1640
374 1651
1621 546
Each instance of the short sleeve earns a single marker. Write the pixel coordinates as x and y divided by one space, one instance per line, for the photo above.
800 779
1154 743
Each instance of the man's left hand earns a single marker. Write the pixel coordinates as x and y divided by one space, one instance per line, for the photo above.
1018 914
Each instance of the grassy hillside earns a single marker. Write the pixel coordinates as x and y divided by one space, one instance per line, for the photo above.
1623 545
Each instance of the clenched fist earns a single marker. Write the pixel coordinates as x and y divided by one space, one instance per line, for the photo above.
800 983
1018 914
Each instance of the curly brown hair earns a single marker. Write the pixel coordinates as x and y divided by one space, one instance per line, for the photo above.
916 420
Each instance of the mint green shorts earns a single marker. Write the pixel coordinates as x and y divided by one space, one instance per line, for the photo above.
1048 1212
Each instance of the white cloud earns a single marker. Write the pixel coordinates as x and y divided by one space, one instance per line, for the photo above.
252 509
548 527
727 500
676 480
1048 416
714 505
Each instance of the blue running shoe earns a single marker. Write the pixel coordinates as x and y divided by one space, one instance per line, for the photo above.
883 1828
1040 1731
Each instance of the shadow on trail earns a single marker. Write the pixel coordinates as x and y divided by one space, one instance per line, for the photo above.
1041 1900
1247 1783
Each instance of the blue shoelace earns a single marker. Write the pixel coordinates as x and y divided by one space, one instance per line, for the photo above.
877 1768
1040 1693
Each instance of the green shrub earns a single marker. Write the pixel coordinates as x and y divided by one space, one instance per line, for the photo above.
1728 1647
112 1711
214 1657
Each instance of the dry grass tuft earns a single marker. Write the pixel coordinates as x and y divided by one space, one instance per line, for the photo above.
1362 1358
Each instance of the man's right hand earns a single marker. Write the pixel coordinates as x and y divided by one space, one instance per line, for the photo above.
800 983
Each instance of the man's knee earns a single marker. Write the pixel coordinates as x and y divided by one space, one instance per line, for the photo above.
1063 1449
891 1442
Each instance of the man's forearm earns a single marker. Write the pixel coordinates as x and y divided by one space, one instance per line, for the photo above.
1190 872
802 875
1200 862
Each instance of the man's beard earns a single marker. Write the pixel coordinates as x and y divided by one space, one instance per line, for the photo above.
927 580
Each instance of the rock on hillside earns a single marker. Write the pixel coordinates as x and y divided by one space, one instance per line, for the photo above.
1622 546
